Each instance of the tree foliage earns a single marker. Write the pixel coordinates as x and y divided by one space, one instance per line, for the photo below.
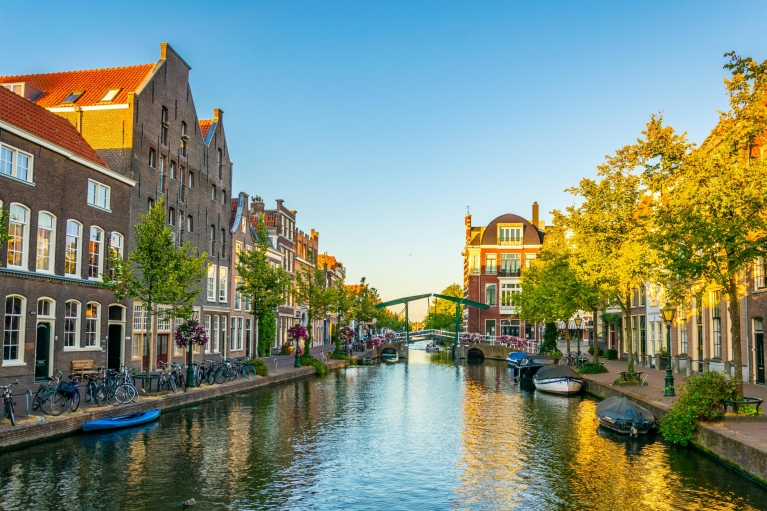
441 315
312 293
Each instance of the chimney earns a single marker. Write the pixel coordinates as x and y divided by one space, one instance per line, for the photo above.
535 214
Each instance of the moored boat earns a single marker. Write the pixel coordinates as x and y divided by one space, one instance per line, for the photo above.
123 421
390 357
432 347
625 417
514 358
530 365
558 379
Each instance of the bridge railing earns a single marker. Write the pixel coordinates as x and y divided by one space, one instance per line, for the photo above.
518 343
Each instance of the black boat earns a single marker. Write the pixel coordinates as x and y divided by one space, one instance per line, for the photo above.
529 365
622 416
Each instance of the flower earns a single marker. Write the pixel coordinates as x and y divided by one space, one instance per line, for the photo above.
190 332
390 335
298 333
346 333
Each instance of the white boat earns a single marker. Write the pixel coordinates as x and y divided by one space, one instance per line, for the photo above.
432 347
558 379
389 357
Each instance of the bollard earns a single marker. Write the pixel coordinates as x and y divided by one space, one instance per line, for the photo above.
705 365
657 361
275 365
728 369
675 363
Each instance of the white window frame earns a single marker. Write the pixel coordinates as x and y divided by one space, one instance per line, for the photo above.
24 259
214 337
211 282
487 288
239 334
224 325
237 294
51 308
117 236
139 318
209 332
14 163
76 330
222 281
94 189
232 338
78 249
21 332
50 269
100 253
95 342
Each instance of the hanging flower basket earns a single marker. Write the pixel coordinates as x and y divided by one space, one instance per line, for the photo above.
189 333
346 333
298 333
390 336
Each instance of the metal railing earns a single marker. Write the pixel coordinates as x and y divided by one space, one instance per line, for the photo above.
509 272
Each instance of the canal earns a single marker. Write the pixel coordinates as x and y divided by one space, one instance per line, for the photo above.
418 435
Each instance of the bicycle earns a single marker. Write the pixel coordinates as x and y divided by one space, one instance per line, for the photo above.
71 392
165 380
177 374
48 398
8 402
244 367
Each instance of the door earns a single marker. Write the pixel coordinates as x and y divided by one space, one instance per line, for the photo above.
144 351
114 347
162 349
700 348
759 341
248 325
43 351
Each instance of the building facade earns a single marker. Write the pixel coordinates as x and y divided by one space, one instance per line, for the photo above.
494 258
67 210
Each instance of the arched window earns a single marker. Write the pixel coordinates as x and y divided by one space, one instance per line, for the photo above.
92 324
96 253
18 236
72 249
46 241
46 308
71 324
13 333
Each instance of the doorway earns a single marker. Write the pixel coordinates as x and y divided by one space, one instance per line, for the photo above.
759 344
43 352
114 347
162 349
700 348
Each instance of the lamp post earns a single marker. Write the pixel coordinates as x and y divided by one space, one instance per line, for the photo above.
578 321
189 365
668 317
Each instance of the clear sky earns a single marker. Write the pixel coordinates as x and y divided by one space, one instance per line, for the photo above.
381 121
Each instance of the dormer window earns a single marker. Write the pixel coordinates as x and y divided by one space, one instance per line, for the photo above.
510 235
73 96
110 95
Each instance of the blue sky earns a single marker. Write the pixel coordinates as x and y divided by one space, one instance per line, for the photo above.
381 121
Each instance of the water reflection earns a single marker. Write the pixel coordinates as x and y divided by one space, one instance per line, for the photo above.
426 433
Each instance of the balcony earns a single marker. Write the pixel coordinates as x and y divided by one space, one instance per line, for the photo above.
490 270
509 272
507 309
509 242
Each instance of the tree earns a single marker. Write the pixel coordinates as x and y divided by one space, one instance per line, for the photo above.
365 300
266 284
160 275
4 218
266 333
710 202
311 292
441 315
341 301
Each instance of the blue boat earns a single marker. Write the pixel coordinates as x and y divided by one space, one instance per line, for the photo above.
514 358
123 421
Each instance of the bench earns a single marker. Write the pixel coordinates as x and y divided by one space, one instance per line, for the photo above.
737 403
83 367
635 377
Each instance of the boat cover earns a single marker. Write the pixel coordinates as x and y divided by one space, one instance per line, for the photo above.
516 355
556 371
621 410
538 360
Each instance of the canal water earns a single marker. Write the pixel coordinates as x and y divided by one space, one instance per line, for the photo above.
426 434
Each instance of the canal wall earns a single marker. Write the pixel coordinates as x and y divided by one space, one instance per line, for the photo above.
491 351
48 427
399 346
737 451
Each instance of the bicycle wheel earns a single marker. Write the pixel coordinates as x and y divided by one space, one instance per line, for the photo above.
232 374
197 378
9 412
172 385
74 402
135 396
38 398
123 394
53 403
220 376
248 372
211 377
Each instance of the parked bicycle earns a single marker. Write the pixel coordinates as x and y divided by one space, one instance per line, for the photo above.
166 382
8 402
177 374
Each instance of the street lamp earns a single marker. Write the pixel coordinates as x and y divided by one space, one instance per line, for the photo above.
189 366
668 317
578 321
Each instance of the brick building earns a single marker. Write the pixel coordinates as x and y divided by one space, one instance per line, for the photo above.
142 122
307 247
67 209
334 272
493 260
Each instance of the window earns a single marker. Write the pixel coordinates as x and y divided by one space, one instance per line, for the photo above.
136 345
151 158
95 254
73 96
213 192
490 264
474 265
163 319
190 178
223 242
116 244
149 203
182 147
237 294
716 316
683 338
490 295
490 327
45 308
212 283
223 334
759 274
641 291
110 95
643 334
223 197
214 336
92 325
18 236
652 336
237 250
247 303
244 223
172 170
509 235
509 265
162 165
71 324
220 162
13 333
247 331
634 294
507 294
164 127
15 163
98 194
190 223
233 337
529 259
171 216
138 318
208 331
222 284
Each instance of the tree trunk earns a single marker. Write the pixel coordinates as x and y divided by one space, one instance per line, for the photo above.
148 337
258 346
595 340
628 331
309 330
737 358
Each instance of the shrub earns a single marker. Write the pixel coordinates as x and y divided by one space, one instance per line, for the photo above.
337 355
589 368
612 354
549 338
320 367
260 366
287 349
701 399
555 353
601 351
662 352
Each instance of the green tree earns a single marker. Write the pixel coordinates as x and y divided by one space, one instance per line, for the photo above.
365 300
266 333
311 292
4 218
441 315
266 284
340 302
160 275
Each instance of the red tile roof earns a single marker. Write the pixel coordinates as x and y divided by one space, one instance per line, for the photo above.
95 83
40 122
205 126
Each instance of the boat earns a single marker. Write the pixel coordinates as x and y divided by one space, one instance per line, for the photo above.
625 417
123 421
389 357
514 358
558 380
530 365
432 347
